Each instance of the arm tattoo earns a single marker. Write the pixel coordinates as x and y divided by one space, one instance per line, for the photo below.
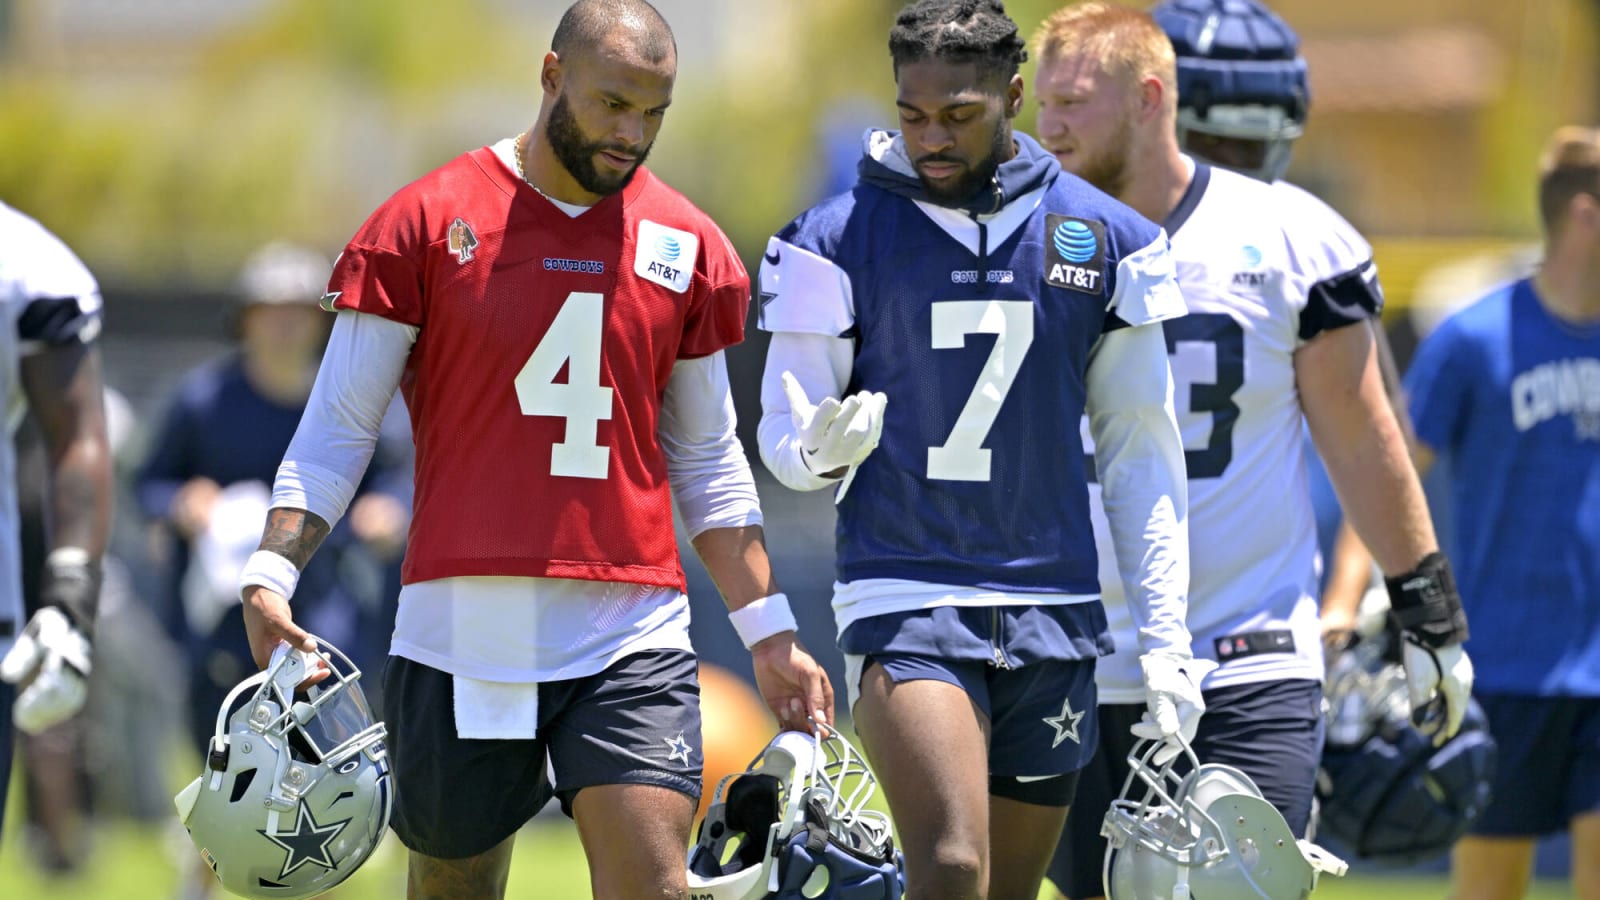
293 534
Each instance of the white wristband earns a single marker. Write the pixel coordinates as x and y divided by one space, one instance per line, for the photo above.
271 571
762 619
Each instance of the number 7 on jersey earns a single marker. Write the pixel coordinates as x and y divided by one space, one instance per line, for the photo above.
963 456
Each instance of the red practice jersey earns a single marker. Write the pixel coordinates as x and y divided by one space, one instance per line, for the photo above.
544 346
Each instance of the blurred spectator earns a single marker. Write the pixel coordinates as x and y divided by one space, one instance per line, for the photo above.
51 360
59 773
208 474
1508 391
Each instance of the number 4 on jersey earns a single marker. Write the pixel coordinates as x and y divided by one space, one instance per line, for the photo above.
574 337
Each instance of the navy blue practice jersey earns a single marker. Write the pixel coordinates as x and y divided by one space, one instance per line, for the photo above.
979 329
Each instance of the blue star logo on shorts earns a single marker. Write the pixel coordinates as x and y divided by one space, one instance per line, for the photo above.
1066 724
677 748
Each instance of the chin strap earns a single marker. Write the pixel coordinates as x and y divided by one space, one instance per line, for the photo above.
1322 862
1180 891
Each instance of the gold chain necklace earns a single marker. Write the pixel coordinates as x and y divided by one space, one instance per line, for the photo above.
516 148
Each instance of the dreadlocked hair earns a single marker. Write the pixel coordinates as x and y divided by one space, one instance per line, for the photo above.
958 31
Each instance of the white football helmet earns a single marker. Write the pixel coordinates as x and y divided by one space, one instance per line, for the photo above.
795 825
1206 835
296 791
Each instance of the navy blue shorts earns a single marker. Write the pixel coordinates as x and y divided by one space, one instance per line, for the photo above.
1549 763
1039 704
636 722
1270 730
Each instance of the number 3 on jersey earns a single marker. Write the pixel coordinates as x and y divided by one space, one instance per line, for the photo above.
1199 343
573 337
1220 337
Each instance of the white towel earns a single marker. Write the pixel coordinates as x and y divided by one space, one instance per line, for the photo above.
496 710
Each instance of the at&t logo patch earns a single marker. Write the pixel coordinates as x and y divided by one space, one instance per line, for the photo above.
665 255
1075 253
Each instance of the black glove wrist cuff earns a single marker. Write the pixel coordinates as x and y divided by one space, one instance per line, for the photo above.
73 586
1425 604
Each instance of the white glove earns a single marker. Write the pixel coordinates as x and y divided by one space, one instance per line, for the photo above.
1437 678
834 435
1172 695
50 661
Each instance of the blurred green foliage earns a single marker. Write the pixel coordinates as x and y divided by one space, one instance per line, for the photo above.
299 123
265 133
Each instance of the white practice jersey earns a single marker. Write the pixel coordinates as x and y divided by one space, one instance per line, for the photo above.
48 298
1264 268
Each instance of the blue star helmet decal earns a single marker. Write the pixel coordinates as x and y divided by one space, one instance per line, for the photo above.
308 843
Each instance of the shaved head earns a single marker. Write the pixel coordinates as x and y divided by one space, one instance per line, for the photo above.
589 24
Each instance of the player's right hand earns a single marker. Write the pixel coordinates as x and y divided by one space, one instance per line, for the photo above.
834 436
794 685
1439 680
267 623
1173 700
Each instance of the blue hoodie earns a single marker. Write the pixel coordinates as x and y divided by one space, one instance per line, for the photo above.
885 164
873 266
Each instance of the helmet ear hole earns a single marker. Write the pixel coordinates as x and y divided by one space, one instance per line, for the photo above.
752 807
241 784
816 883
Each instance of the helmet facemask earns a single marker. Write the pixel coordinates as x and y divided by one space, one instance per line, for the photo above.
1273 128
1202 831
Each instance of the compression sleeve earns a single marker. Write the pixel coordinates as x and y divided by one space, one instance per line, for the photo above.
360 372
710 474
1139 459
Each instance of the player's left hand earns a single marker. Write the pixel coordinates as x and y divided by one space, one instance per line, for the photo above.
794 685
50 661
1439 680
1175 704
834 436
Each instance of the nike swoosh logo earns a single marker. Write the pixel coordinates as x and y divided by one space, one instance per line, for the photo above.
771 257
1028 779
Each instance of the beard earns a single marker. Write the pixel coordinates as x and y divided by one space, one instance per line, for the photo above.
576 152
973 178
1108 169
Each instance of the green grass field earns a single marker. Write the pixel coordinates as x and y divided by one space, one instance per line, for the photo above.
141 862
131 863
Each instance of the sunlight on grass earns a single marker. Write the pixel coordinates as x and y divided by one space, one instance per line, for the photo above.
131 861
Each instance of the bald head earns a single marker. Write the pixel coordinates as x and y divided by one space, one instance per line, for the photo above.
590 25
